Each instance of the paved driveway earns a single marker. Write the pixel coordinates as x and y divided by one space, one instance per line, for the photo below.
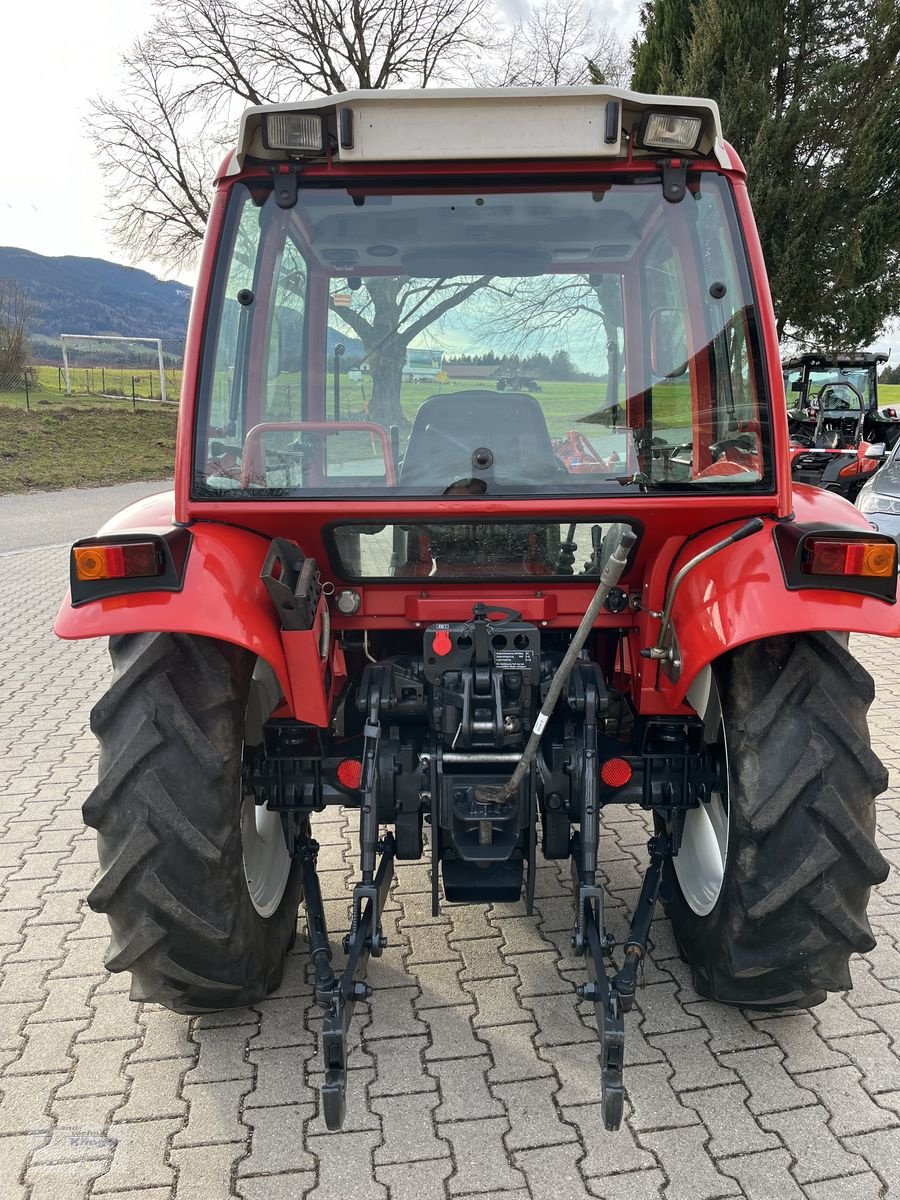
474 1071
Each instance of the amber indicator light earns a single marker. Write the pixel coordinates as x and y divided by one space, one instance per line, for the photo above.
828 556
129 560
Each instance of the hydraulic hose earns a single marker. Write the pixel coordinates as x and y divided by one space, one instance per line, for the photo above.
609 577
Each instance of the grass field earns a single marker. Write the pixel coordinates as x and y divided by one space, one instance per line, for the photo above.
83 441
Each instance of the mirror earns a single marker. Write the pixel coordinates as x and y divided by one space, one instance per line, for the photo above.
668 343
876 450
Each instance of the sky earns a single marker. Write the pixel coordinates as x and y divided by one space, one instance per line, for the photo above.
57 55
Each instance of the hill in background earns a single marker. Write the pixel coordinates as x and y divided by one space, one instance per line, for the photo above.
91 295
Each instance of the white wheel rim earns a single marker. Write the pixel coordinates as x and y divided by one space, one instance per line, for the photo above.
701 858
267 863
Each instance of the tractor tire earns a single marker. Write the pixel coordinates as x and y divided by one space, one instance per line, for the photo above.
800 816
170 814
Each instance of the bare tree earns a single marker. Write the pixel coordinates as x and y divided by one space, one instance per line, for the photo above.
15 311
561 43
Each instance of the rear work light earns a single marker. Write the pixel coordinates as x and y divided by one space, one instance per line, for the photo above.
349 773
669 131
297 132
831 556
130 560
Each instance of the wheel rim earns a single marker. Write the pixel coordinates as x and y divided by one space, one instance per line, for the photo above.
267 863
701 860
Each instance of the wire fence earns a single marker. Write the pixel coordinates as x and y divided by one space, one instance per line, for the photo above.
47 383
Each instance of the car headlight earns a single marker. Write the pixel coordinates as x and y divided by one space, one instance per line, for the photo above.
877 502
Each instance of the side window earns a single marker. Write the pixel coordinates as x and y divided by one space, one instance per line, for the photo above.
669 383
229 382
287 344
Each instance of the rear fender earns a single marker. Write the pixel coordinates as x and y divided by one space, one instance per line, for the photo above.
740 595
222 596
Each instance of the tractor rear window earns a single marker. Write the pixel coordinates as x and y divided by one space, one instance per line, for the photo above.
557 342
468 550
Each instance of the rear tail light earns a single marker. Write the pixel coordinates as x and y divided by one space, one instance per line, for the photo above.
129 560
830 556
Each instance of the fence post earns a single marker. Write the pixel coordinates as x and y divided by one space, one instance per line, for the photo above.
27 400
103 380
133 401
59 374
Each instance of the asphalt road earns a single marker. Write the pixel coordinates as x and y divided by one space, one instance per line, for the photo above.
474 1068
35 519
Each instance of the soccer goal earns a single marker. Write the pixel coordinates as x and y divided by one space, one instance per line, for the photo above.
115 366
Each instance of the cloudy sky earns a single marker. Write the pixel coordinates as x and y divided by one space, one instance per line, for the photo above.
57 55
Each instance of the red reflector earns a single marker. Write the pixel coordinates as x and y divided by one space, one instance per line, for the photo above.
349 773
615 772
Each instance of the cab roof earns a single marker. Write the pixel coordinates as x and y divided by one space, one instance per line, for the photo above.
455 124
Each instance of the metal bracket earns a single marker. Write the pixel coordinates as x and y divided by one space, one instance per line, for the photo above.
674 179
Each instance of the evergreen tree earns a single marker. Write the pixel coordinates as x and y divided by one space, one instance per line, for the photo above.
808 94
657 52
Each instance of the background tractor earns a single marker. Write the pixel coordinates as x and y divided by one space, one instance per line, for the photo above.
839 435
422 611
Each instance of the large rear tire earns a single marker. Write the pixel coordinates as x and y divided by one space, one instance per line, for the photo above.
202 903
790 908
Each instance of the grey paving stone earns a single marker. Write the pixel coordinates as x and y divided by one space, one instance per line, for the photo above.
771 1088
553 1172
534 1117
480 1157
607 1153
155 1090
223 1055
539 975
558 1020
205 1170
213 1114
872 1054
729 1027
691 1173
655 1104
881 1150
695 1067
139 1159
634 1185
440 986
804 1048
406 1123
280 1024
345 1167
394 1015
361 1116
464 1090
765 1176
512 1050
848 1187
278 1140
24 1103
287 1185
481 959
399 1067
852 1111
281 1077
724 1112
63 1180
817 1152
14 1152
417 1180
47 1048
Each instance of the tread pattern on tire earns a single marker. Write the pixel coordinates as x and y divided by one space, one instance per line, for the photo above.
167 814
802 855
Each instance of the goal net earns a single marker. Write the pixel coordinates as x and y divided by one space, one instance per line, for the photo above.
114 367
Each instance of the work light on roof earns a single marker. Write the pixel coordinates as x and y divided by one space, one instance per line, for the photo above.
669 131
294 132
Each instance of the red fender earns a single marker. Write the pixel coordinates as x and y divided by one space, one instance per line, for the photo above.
223 596
739 595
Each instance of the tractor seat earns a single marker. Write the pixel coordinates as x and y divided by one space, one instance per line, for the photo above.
500 438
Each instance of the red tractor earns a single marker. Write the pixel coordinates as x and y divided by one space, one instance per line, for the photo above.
421 612
839 435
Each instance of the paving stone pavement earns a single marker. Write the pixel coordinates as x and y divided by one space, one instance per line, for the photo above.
474 1070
